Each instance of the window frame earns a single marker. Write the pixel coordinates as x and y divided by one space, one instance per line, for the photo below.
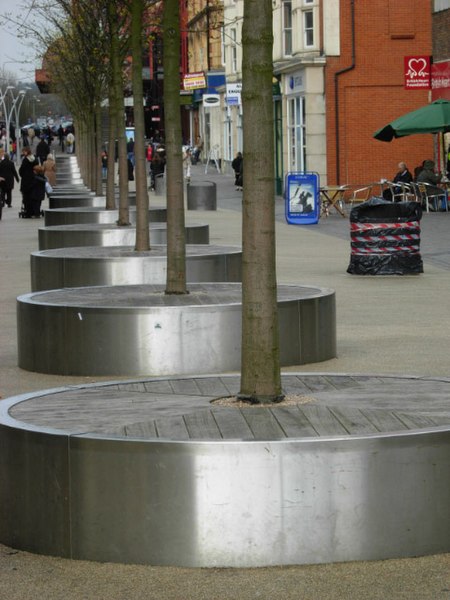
308 31
287 29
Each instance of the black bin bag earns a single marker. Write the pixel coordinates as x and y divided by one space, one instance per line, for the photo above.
385 238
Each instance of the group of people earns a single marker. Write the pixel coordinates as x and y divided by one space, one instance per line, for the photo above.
424 173
36 174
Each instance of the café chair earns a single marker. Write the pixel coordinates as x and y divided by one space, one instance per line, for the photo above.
402 192
360 195
429 193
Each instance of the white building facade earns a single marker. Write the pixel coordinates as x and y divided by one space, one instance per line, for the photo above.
305 33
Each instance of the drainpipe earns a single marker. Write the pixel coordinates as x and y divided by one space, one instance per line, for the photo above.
208 42
336 91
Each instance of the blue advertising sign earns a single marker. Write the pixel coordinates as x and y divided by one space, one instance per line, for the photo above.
302 203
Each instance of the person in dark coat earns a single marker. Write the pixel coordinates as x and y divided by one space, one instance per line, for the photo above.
428 176
157 166
42 151
7 175
37 193
27 180
236 165
403 175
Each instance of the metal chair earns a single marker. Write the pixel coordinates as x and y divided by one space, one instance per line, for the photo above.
360 195
431 193
402 192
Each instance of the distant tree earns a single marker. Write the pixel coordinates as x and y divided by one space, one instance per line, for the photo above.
142 204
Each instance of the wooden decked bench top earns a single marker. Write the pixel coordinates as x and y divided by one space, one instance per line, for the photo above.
180 408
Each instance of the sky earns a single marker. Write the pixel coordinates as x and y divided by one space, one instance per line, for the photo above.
14 50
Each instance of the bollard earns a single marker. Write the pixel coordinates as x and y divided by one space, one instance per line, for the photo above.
202 196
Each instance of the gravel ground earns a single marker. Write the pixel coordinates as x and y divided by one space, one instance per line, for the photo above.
26 576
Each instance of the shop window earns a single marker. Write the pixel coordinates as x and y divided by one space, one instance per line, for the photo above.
296 134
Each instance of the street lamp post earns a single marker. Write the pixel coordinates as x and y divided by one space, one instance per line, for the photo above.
11 107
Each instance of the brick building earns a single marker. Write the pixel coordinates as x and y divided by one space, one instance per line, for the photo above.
365 88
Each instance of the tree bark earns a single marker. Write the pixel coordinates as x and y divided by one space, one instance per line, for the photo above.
140 174
112 135
260 367
176 249
98 150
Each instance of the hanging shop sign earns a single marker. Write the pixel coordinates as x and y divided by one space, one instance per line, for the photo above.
211 100
440 80
233 94
194 81
417 70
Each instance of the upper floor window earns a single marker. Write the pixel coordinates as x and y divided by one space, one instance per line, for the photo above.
308 26
223 44
441 5
233 50
287 27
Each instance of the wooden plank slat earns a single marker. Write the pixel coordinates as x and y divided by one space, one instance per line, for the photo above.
341 382
415 420
201 425
293 422
315 383
233 384
232 424
172 428
294 385
354 421
323 420
385 421
144 430
158 387
263 424
212 386
188 387
136 386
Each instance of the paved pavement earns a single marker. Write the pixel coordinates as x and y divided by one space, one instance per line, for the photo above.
386 325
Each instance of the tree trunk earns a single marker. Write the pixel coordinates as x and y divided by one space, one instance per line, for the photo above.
260 367
140 174
117 84
98 150
176 248
112 135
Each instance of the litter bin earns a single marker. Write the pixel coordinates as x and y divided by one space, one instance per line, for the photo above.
202 196
385 238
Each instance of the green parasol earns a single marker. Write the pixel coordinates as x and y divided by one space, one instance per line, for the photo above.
432 118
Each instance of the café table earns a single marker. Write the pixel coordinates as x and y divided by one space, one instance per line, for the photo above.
332 196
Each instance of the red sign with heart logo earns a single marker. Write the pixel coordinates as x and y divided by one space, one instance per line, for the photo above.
417 72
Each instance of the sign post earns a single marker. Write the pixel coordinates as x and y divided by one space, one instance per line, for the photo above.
302 202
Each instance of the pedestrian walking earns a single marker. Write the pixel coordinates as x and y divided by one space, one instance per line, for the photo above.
187 155
37 193
50 169
8 174
236 165
42 150
104 159
27 181
70 143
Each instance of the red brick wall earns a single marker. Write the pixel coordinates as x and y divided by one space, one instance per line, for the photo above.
372 94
